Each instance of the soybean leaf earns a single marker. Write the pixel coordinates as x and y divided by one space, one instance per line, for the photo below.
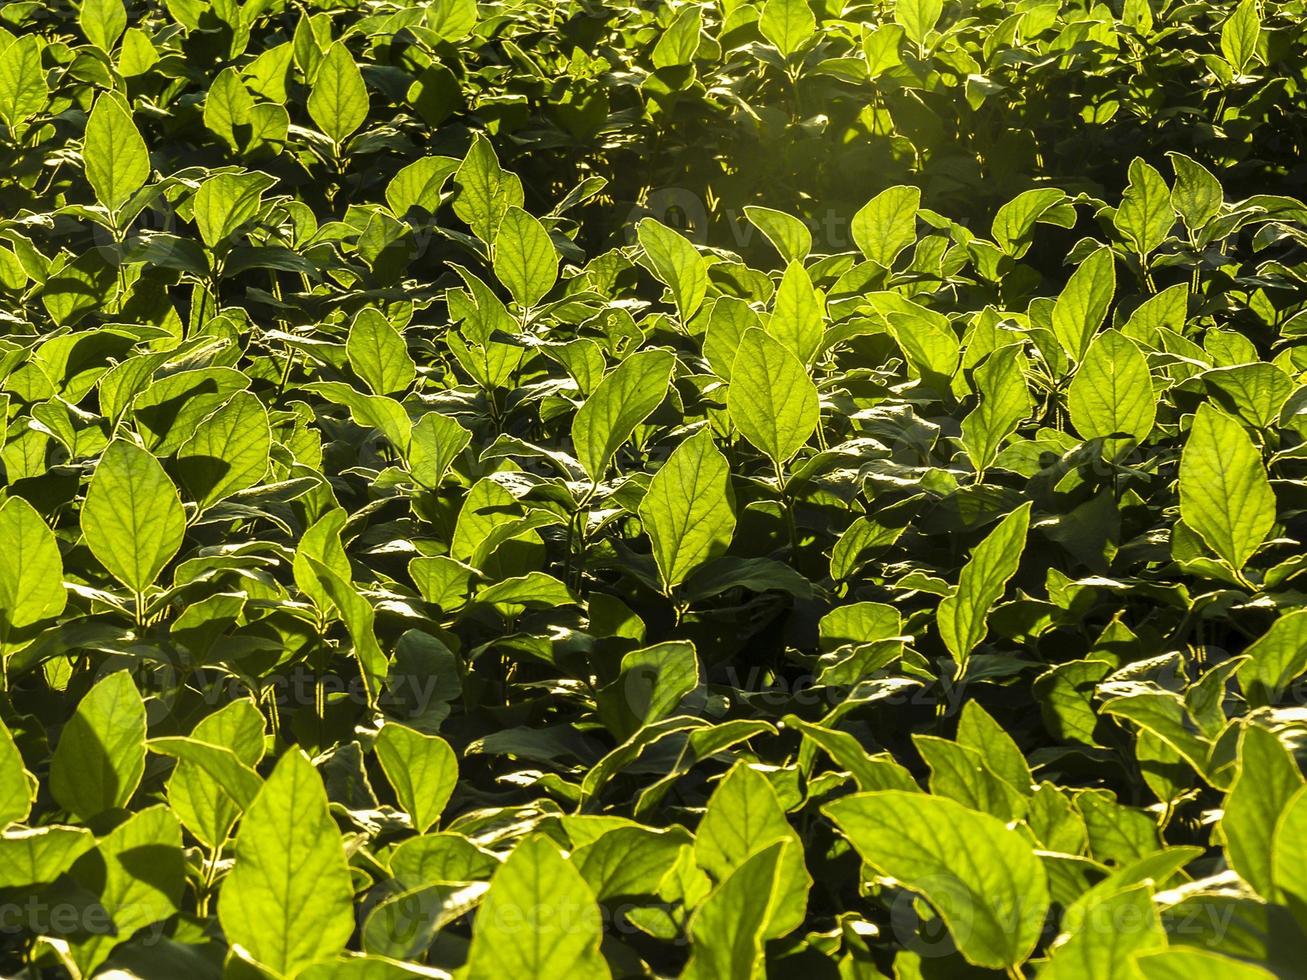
1111 396
422 768
538 921
1225 495
961 616
100 757
338 102
772 400
132 519
113 153
525 260
1083 304
677 263
378 354
31 569
288 900
689 509
228 451
622 400
982 878
887 224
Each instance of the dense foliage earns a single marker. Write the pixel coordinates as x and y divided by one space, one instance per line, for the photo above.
542 490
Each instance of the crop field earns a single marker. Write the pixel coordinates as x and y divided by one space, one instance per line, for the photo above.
695 489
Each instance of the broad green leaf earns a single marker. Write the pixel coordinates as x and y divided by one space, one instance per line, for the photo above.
1268 777
728 931
676 263
23 89
139 877
132 519
359 618
1107 937
403 926
1255 392
622 400
225 202
650 684
228 452
743 817
629 860
918 17
679 43
797 319
787 24
1190 963
1225 495
961 616
1004 402
788 235
114 155
436 442
378 354
100 758
103 22
1083 304
539 921
887 224
1275 659
485 190
1197 195
418 185
1015 220
204 791
1111 396
689 509
39 855
1240 35
288 900
772 400
238 781
421 768
982 878
525 260
31 569
17 785
338 101
1145 216
978 730
1288 850
229 108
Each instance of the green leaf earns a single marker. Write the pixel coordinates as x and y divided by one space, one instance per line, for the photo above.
1275 659
378 354
421 768
887 224
436 442
772 400
103 22
23 90
1240 35
689 509
288 900
1268 777
787 24
100 758
1188 963
132 519
1083 304
1197 195
31 569
17 786
788 235
679 43
338 102
359 617
485 190
139 877
650 684
744 817
238 781
623 399
677 263
204 790
1107 936
982 878
114 155
225 202
797 319
962 614
918 17
728 930
1111 396
228 452
525 260
538 922
1145 216
1004 403
1225 495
